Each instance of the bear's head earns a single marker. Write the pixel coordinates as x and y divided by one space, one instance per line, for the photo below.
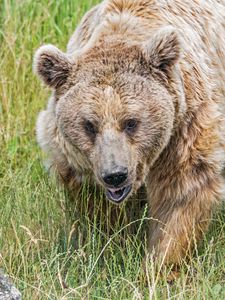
114 106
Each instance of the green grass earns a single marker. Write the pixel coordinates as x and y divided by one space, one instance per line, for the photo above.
50 249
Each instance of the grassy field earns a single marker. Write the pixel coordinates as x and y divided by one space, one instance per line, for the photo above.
50 250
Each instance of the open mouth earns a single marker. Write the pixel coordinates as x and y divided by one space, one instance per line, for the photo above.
118 195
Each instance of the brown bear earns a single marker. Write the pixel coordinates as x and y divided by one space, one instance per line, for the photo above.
138 100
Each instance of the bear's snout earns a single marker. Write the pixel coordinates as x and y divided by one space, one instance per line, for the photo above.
115 178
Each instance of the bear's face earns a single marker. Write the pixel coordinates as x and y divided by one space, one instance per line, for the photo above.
113 108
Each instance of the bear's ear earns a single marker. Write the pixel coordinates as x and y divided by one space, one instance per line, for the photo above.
163 49
52 65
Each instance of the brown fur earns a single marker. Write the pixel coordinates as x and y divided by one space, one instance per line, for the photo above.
163 64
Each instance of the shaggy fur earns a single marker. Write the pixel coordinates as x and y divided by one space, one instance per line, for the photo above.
160 64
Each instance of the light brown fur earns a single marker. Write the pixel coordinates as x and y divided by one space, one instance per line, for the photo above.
162 63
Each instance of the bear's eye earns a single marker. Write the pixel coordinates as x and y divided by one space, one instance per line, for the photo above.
130 125
90 129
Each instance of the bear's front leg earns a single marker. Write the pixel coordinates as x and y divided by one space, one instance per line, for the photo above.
178 223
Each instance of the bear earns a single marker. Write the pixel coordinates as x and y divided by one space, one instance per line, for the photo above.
138 100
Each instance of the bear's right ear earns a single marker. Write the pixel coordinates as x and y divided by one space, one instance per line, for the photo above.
52 65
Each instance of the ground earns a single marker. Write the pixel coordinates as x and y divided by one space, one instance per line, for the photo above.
49 250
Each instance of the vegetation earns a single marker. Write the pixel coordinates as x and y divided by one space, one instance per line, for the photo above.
49 248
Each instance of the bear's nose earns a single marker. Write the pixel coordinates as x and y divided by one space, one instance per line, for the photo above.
117 178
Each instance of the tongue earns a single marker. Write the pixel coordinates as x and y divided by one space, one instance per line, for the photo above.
117 194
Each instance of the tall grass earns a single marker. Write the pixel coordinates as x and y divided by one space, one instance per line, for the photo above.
52 247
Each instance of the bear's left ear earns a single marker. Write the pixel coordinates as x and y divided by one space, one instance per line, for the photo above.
163 49
52 65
